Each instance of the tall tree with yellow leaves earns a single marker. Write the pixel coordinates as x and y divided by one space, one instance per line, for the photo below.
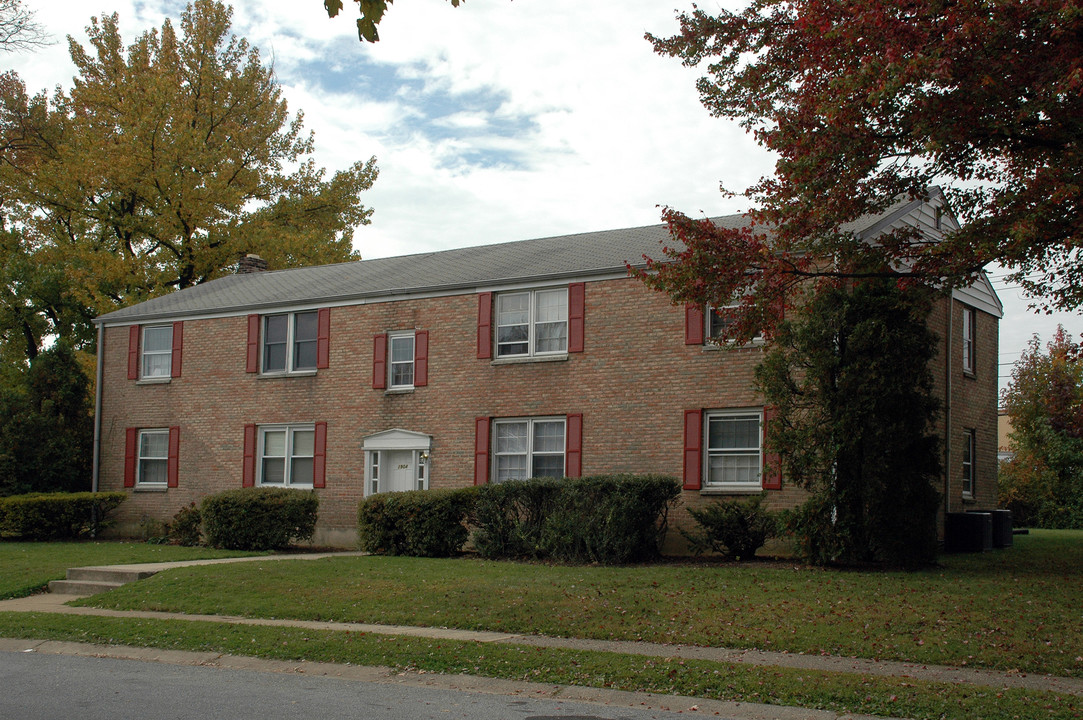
166 161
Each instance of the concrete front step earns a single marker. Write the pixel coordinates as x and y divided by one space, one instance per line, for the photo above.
81 587
108 574
93 580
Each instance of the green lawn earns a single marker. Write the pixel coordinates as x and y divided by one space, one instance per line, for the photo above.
840 692
26 567
1011 609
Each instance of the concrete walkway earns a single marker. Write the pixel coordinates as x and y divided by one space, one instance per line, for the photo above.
56 603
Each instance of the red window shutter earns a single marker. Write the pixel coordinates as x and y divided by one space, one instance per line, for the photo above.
771 475
693 449
178 347
173 463
576 297
252 359
248 471
323 339
133 352
693 324
573 442
485 325
421 358
319 456
131 439
481 451
379 361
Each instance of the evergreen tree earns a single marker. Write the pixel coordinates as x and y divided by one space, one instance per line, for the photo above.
848 375
46 429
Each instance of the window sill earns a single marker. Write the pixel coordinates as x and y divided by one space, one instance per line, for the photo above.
288 487
968 499
711 346
277 375
399 391
970 374
150 488
749 490
154 381
529 359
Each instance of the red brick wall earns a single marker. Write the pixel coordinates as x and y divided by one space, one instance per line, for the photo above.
631 383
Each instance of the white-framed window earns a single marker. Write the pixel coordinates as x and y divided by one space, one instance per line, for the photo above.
286 455
157 351
734 448
526 448
400 355
290 341
969 318
532 322
153 462
969 447
718 320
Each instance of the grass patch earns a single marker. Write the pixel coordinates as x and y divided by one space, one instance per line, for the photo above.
839 692
1015 609
27 567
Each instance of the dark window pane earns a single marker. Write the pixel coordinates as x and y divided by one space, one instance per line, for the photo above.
274 357
304 355
306 326
274 328
548 466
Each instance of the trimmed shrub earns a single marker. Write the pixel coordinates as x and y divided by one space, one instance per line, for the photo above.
609 519
259 518
185 528
54 516
421 523
734 529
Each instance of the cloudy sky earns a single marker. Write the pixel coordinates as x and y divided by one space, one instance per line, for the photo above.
494 121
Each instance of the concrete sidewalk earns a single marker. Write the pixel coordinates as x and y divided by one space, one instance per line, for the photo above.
56 603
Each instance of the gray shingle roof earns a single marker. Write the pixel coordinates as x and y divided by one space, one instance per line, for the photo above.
566 256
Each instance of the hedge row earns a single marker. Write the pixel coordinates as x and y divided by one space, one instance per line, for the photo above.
606 519
421 523
55 516
259 518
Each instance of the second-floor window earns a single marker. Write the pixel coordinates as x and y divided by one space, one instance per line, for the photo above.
157 351
533 322
290 342
401 360
969 317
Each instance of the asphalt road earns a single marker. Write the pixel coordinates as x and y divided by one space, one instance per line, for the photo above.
38 686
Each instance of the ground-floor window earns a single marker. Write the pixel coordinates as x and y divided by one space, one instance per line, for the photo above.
153 465
287 455
968 462
527 448
734 456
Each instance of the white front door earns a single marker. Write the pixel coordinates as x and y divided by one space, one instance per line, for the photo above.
401 471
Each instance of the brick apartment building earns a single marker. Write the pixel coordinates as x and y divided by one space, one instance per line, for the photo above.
445 369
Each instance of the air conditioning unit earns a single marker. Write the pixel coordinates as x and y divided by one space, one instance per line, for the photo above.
968 532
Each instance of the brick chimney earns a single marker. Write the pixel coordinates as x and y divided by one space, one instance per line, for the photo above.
250 263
